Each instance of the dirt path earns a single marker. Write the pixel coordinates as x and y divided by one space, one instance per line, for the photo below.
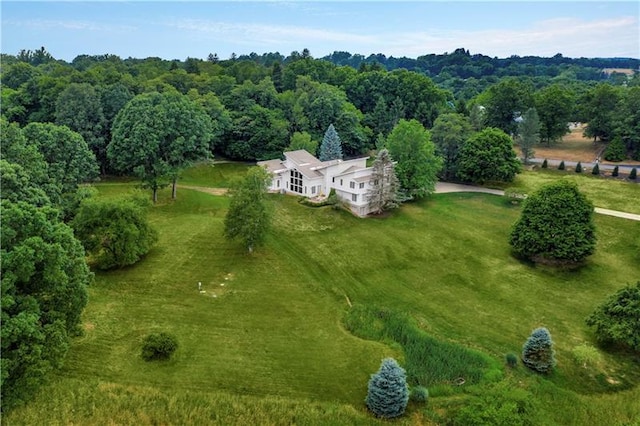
212 191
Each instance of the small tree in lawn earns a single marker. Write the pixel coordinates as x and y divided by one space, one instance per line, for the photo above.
596 170
579 167
528 133
545 164
556 225
561 166
633 174
331 147
248 218
537 352
388 393
383 193
615 171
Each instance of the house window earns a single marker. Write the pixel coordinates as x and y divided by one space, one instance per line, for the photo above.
361 185
296 181
352 185
354 197
278 183
340 182
376 182
313 189
333 179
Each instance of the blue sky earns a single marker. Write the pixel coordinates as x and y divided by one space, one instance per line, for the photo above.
176 30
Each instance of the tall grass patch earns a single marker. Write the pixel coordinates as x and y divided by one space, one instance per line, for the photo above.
428 361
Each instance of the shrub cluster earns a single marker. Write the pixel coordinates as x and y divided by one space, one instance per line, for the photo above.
159 346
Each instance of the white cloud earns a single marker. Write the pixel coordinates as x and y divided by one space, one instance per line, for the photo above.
49 24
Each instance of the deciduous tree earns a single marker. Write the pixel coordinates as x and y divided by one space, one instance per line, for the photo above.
449 133
248 218
409 144
556 225
617 320
554 105
44 279
528 134
115 233
302 140
487 156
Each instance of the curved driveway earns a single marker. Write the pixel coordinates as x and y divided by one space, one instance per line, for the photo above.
444 187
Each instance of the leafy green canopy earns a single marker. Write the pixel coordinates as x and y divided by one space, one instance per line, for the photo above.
537 352
556 225
488 156
114 233
44 279
449 133
409 143
156 135
617 320
248 218
388 393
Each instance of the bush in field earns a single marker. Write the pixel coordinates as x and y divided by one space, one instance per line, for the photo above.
586 356
615 171
388 393
596 170
616 150
498 405
561 166
159 346
545 164
556 225
512 360
617 320
419 394
537 352
579 167
633 174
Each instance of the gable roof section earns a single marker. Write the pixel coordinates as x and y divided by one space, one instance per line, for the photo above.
301 157
273 166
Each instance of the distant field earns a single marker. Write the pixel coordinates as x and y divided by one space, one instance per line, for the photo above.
266 343
573 147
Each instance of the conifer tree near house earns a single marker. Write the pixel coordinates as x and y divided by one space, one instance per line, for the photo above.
383 191
331 147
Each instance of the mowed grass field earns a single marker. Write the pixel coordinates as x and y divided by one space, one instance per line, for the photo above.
266 342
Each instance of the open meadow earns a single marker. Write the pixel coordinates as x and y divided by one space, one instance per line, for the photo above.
291 333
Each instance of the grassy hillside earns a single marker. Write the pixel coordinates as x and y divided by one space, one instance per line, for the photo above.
267 342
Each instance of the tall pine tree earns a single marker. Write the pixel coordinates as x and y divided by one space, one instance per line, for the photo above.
383 193
331 147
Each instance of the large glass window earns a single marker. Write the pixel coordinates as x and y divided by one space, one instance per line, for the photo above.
296 181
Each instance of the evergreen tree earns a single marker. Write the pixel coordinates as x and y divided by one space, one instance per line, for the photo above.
331 147
537 352
614 173
561 166
633 174
383 193
596 170
579 167
388 393
545 164
616 150
528 133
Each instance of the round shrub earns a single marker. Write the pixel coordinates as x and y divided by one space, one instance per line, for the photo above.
616 150
537 352
159 346
586 355
615 171
388 393
512 360
579 167
419 394
545 164
633 174
596 170
561 166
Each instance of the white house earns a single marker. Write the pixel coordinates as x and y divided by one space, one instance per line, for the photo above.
301 173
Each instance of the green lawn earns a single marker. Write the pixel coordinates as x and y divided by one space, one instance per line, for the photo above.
271 347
